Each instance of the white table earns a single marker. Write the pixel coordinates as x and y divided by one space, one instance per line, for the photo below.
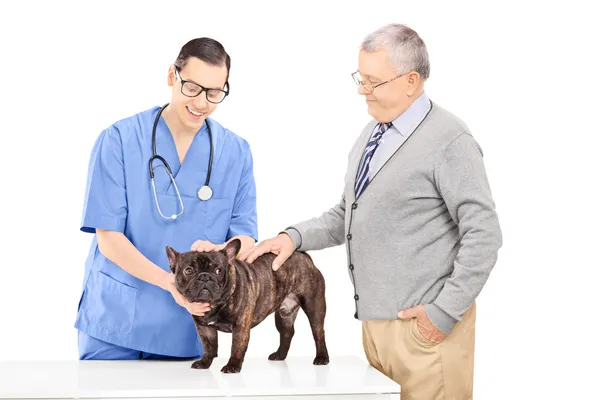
344 378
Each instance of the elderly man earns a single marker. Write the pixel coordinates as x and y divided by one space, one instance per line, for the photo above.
419 223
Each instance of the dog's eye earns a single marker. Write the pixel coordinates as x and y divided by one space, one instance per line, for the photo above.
188 271
218 271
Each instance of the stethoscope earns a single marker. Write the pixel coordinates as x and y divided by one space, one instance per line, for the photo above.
204 193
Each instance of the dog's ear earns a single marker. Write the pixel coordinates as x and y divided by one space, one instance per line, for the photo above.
232 249
172 255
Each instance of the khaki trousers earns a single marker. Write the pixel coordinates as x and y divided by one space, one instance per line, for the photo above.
424 371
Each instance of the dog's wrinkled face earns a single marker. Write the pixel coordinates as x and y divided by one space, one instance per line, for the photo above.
202 277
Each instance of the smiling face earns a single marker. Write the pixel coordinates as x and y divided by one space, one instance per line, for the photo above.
203 277
189 102
387 93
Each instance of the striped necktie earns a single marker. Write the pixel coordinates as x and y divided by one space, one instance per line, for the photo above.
362 177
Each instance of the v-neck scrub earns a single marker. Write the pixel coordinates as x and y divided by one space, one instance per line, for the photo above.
116 307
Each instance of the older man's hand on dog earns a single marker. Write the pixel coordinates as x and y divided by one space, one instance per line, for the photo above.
281 245
198 309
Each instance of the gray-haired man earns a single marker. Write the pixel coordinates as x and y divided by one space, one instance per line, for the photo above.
419 223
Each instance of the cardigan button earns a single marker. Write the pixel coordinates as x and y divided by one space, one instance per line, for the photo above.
354 206
355 297
349 237
351 267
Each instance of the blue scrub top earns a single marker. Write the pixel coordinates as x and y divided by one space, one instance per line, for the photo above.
115 306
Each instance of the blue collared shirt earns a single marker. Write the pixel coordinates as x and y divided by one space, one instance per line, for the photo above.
403 126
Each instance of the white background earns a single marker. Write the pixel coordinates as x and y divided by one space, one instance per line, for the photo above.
523 77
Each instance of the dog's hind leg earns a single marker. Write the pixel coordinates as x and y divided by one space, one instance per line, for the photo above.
315 306
284 321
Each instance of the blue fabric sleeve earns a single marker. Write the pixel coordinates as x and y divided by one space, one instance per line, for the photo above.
244 216
105 202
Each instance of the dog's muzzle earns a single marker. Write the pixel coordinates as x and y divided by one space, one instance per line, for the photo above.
203 288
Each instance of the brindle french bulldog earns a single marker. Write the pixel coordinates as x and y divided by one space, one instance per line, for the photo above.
242 295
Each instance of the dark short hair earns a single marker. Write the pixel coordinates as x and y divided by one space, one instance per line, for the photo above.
206 49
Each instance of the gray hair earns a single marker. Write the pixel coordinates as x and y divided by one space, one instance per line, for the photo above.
405 49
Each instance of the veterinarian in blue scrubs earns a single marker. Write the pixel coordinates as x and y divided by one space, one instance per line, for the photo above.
129 308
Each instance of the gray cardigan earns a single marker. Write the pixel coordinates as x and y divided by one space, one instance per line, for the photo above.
424 231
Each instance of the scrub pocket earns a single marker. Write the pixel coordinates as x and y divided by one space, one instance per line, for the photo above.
218 219
109 304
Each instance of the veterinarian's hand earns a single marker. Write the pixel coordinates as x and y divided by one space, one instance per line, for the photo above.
206 246
281 245
198 309
425 326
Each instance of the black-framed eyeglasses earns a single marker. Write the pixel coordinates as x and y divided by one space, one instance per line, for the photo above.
368 87
191 89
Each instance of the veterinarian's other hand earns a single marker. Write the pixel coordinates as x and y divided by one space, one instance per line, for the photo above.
198 309
425 326
206 246
281 245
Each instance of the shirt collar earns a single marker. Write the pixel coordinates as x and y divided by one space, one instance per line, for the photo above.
413 115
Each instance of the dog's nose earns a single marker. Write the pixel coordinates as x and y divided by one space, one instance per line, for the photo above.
204 277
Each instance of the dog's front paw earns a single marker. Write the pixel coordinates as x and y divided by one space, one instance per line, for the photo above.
202 364
321 360
276 357
231 368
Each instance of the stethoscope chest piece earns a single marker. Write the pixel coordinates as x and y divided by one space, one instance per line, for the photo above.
205 193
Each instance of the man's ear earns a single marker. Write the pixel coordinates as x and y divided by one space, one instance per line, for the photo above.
172 255
232 249
413 80
171 78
